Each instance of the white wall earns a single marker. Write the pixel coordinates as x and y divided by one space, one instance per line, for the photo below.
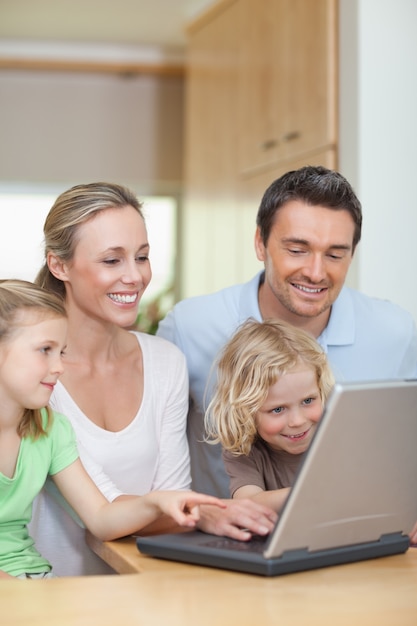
68 128
378 136
378 141
60 129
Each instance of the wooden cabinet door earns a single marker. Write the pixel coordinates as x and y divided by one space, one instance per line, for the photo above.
287 77
261 102
311 70
208 219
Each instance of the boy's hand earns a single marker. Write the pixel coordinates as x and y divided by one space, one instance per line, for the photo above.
238 519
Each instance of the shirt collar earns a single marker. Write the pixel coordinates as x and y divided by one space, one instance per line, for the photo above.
340 329
249 300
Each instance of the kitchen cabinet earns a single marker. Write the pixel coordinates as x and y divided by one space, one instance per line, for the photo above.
260 100
287 80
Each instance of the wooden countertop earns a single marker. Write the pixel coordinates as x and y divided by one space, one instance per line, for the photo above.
378 592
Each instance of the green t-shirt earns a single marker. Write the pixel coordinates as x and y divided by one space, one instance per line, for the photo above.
37 459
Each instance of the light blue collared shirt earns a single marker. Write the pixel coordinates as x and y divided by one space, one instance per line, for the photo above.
365 339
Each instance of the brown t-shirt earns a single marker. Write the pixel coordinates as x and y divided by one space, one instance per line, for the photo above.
264 467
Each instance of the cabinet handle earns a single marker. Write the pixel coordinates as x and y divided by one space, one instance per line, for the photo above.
268 144
292 136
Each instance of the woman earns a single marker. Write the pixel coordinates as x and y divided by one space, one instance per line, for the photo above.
126 393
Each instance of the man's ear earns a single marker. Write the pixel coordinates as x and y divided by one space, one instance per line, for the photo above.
57 267
259 246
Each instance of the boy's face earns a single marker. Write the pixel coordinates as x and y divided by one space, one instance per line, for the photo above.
31 360
287 419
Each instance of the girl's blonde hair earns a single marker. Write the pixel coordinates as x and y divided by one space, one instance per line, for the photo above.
253 360
17 296
71 209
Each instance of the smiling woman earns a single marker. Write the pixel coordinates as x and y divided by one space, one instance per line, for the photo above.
125 392
21 250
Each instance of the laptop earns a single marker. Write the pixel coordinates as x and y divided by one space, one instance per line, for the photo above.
354 496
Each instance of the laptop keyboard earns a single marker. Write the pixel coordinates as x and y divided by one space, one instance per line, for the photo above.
255 544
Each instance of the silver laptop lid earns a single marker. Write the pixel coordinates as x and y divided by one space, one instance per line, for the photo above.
346 492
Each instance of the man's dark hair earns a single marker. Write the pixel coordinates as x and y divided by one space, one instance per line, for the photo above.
316 186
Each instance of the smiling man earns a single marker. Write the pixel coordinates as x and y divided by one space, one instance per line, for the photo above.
308 226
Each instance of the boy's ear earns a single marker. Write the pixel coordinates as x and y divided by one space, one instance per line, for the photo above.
57 267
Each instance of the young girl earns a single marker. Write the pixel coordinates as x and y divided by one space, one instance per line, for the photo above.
35 442
273 381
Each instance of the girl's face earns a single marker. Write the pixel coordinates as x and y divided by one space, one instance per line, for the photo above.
31 360
287 419
110 268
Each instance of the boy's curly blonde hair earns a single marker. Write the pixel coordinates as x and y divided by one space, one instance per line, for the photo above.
253 360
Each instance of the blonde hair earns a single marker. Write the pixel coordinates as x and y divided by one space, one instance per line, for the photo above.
17 296
71 209
253 360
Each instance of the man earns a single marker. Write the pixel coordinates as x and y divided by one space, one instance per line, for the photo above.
308 225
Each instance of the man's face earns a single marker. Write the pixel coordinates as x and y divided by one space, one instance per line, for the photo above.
306 260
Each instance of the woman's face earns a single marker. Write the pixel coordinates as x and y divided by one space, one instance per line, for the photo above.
110 268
